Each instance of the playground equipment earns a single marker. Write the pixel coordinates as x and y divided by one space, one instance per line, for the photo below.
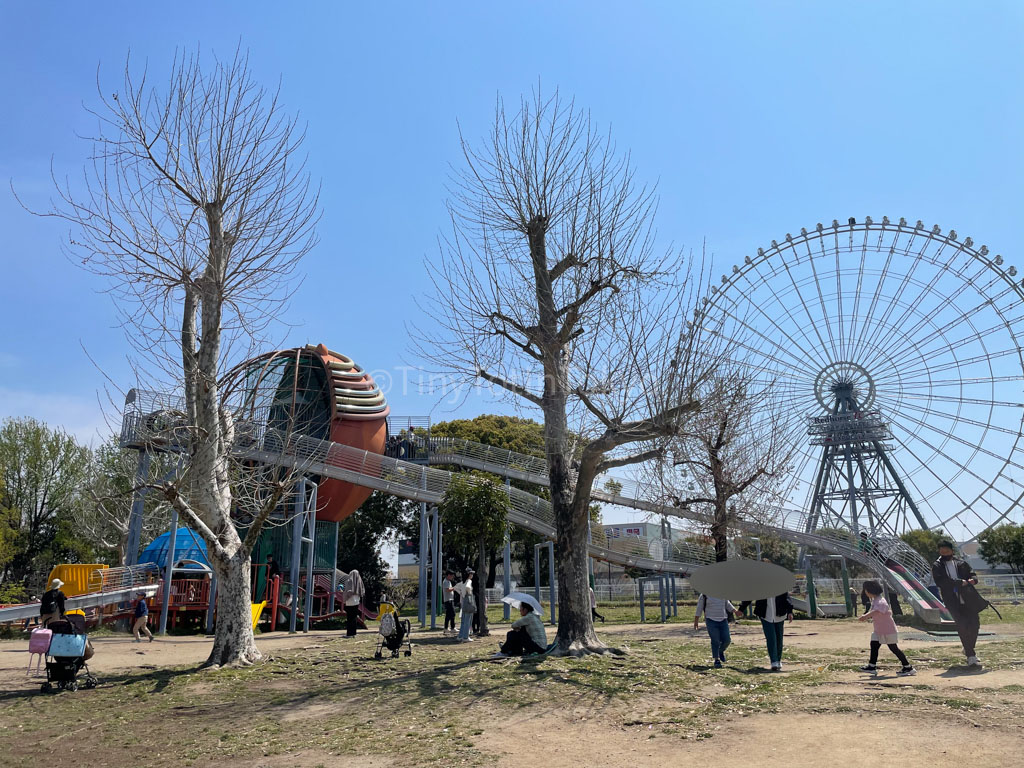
109 588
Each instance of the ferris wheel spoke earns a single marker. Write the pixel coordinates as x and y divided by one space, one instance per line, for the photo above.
892 302
957 439
913 373
801 326
797 365
820 294
949 301
909 308
960 418
921 346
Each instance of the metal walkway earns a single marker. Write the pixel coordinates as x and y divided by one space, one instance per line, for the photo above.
902 566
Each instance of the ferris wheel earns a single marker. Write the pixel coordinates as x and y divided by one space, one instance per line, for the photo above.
891 354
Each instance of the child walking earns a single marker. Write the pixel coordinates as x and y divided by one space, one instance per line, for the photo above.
885 631
716 616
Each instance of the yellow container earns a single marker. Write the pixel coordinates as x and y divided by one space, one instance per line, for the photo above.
75 577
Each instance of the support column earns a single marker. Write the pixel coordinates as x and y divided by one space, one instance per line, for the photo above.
536 571
424 549
662 597
551 581
812 602
169 571
506 578
293 571
643 613
847 597
131 554
435 588
335 527
310 542
211 609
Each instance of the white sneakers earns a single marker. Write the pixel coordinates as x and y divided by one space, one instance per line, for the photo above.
973 661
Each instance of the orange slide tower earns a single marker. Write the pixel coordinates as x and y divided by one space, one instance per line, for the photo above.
314 391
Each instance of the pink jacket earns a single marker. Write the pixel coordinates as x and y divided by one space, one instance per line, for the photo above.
882 617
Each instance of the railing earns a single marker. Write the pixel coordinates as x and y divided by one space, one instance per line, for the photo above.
422 483
123 577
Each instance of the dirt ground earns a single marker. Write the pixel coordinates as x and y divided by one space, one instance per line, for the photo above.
820 711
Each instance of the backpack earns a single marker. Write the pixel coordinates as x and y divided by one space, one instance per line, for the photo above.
469 603
49 603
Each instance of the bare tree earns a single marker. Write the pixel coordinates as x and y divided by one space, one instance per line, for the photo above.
104 516
196 206
549 288
730 458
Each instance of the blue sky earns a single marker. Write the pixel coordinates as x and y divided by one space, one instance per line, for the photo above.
754 118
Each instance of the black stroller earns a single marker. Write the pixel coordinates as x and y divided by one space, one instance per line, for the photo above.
393 634
67 655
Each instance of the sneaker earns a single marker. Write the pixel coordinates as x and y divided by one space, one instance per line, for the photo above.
721 657
906 672
470 640
500 655
718 664
973 661
872 668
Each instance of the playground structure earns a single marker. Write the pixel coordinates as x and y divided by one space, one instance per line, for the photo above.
902 403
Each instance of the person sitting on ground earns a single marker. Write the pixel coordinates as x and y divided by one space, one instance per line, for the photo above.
141 619
884 631
526 636
51 607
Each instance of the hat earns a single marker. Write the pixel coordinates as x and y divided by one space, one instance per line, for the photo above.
56 584
470 570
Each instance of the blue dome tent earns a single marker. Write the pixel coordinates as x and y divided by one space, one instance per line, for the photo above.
187 546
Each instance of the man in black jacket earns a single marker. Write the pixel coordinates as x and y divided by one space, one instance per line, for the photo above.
956 581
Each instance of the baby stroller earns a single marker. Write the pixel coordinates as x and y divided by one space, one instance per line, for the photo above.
66 657
393 634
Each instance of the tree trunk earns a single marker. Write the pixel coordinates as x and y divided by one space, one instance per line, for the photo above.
481 589
233 643
720 531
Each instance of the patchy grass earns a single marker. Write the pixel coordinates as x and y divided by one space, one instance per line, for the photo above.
426 710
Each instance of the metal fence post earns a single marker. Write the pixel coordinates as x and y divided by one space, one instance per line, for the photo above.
640 584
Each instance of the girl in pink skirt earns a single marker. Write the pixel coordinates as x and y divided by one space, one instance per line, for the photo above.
885 631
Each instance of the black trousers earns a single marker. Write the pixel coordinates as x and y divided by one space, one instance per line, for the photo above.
449 614
352 620
519 643
595 615
968 624
875 645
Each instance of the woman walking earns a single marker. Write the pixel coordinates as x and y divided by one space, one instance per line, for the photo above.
773 613
468 604
716 616
353 598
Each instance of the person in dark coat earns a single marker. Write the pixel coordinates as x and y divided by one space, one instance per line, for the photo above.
773 613
51 607
956 581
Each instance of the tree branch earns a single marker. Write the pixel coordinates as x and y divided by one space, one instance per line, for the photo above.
508 385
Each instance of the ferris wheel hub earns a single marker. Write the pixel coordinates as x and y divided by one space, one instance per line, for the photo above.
844 380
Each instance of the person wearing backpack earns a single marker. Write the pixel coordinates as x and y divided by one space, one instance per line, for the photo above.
468 602
52 605
448 596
